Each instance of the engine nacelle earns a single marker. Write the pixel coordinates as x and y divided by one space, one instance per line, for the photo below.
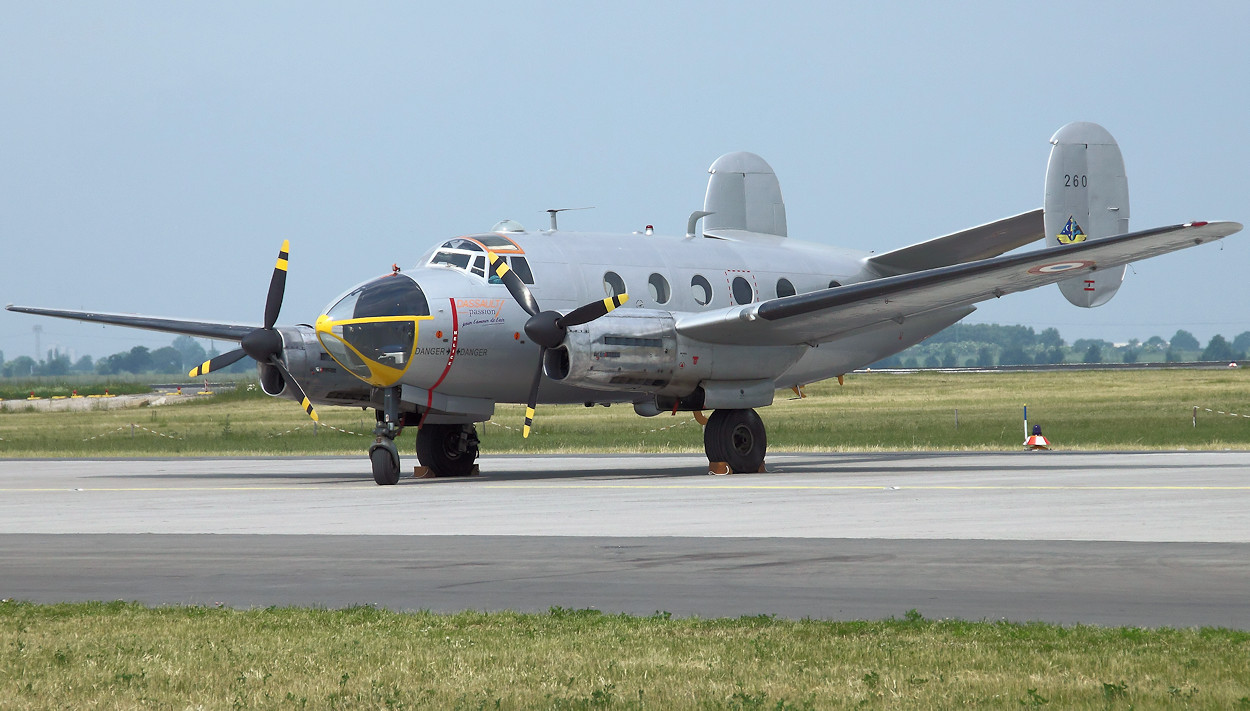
318 374
631 350
1086 199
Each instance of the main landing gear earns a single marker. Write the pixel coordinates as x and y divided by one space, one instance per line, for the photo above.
445 449
737 438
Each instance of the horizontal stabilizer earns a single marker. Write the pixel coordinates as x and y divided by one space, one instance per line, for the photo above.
983 242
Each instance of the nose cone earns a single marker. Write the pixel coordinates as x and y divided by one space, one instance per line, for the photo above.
372 330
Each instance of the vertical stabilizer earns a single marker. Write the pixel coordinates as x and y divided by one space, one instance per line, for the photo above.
1086 199
743 194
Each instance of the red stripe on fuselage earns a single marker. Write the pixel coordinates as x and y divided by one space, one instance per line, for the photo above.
451 357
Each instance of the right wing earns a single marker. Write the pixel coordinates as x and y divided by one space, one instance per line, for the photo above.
826 314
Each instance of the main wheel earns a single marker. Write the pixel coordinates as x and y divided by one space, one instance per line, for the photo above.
385 468
736 437
448 450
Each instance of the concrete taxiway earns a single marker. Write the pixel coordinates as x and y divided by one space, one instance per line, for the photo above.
1152 539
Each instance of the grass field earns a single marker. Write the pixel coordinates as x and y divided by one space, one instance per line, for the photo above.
874 411
120 655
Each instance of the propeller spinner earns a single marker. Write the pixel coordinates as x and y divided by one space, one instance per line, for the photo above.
546 328
265 343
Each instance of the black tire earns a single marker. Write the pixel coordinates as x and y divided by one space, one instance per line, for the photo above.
713 447
385 468
738 438
448 450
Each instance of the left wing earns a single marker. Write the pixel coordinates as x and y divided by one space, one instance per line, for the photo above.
824 315
203 329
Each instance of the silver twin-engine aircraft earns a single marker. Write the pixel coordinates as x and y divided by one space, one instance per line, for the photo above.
714 320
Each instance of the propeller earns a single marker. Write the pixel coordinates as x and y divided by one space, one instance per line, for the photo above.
264 344
546 328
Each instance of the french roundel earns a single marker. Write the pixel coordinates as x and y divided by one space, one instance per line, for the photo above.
1056 267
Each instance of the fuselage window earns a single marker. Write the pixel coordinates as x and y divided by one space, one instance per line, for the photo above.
742 291
834 284
701 290
658 286
613 284
785 288
479 265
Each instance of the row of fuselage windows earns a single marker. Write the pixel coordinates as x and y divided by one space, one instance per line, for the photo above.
741 289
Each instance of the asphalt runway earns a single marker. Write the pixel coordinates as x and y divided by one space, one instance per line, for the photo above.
1139 539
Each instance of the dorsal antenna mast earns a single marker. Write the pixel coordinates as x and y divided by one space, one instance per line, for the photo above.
556 211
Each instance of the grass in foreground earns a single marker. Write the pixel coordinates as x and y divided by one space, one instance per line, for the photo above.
876 411
120 655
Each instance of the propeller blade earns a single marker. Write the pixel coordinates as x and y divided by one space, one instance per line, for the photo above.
222 361
277 286
516 287
290 379
591 311
532 402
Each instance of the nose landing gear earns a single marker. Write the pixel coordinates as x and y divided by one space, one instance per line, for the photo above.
383 454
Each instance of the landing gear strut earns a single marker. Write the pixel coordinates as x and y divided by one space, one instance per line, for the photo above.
383 454
737 438
447 450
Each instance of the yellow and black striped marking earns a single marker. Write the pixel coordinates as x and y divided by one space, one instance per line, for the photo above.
529 422
201 369
498 264
307 404
283 255
613 302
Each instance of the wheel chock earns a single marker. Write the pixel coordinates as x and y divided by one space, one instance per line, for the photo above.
719 469
425 473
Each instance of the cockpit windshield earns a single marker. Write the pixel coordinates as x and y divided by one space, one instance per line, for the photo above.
468 254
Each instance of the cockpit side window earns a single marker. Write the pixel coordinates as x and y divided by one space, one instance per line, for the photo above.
522 268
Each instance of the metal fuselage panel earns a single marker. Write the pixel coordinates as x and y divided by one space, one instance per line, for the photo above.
473 344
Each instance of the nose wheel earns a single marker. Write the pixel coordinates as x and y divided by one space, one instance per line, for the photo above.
383 455
385 464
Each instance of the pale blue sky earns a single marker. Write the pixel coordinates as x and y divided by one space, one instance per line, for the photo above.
153 156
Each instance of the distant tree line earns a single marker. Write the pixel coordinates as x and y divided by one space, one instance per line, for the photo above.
175 359
987 345
962 345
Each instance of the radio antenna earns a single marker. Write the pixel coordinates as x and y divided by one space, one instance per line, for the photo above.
556 211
